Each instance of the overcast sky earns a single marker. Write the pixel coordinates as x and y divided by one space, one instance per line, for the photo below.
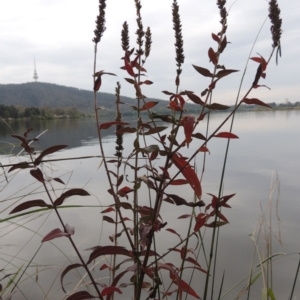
59 33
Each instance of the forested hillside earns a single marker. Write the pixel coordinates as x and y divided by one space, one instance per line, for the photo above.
43 95
46 101
39 94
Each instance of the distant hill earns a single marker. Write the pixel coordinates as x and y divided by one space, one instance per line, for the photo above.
40 94
47 95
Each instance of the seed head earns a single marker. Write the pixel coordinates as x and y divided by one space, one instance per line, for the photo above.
100 22
125 37
139 32
119 137
223 12
148 42
178 35
276 21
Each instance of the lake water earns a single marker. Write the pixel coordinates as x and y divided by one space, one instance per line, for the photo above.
268 148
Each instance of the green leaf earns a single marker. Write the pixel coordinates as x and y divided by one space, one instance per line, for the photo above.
271 294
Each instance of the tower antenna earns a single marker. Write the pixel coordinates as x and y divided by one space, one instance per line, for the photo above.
35 75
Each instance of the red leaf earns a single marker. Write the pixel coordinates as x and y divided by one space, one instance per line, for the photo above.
223 44
148 82
21 165
110 289
82 295
257 59
188 125
58 180
148 105
115 281
153 155
225 72
109 124
24 143
120 180
200 221
105 266
155 130
108 219
65 271
29 204
125 205
199 136
226 198
256 102
194 98
261 61
214 201
213 84
109 209
55 233
187 288
129 68
217 106
48 151
130 80
222 217
126 130
124 191
215 37
181 100
212 56
174 106
203 93
193 261
226 135
108 250
188 172
37 174
260 85
203 149
184 252
97 84
69 193
184 216
167 93
180 201
257 75
203 71
173 231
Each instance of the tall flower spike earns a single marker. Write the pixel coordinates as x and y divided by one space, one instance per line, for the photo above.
100 22
140 32
119 137
178 36
148 42
125 37
276 21
223 12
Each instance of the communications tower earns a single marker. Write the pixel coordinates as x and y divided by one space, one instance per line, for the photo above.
35 75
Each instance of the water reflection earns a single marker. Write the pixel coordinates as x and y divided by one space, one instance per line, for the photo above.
268 141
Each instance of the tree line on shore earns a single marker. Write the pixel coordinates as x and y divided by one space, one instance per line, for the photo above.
13 112
44 113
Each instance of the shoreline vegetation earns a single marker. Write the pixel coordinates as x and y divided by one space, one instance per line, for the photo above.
32 101
35 113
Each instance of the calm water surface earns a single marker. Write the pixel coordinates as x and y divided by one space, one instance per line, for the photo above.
267 150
